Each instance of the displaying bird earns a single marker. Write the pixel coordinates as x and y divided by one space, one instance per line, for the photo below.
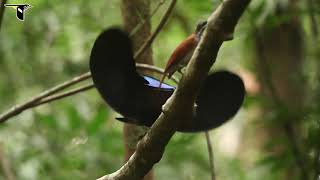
114 75
183 53
139 99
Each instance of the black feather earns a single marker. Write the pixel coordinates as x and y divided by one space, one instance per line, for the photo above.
114 74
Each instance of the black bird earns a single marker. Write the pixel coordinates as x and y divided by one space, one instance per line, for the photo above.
114 75
139 99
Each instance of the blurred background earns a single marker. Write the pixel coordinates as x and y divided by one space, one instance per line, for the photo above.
275 135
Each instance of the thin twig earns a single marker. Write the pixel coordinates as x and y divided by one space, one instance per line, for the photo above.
160 3
135 30
163 21
21 107
155 69
210 153
64 95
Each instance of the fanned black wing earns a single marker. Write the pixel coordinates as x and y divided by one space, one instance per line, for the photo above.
139 101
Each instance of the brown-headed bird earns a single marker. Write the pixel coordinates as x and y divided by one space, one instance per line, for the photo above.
183 53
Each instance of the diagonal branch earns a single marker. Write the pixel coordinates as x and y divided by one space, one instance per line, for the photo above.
64 95
221 25
17 109
210 153
163 21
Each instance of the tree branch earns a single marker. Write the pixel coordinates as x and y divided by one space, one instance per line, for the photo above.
158 29
150 149
17 109
210 153
63 95
135 30
155 69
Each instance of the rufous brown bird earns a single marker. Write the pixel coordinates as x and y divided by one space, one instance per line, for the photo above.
183 53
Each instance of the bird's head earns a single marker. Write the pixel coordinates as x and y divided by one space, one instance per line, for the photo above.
201 26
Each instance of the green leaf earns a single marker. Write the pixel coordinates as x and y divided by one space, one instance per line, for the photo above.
95 124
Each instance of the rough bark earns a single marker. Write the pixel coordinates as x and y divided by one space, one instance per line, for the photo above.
135 12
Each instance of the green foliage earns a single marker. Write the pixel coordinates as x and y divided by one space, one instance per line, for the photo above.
78 138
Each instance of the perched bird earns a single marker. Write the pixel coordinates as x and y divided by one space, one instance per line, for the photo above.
139 99
183 53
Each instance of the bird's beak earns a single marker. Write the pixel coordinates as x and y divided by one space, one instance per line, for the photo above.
204 26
